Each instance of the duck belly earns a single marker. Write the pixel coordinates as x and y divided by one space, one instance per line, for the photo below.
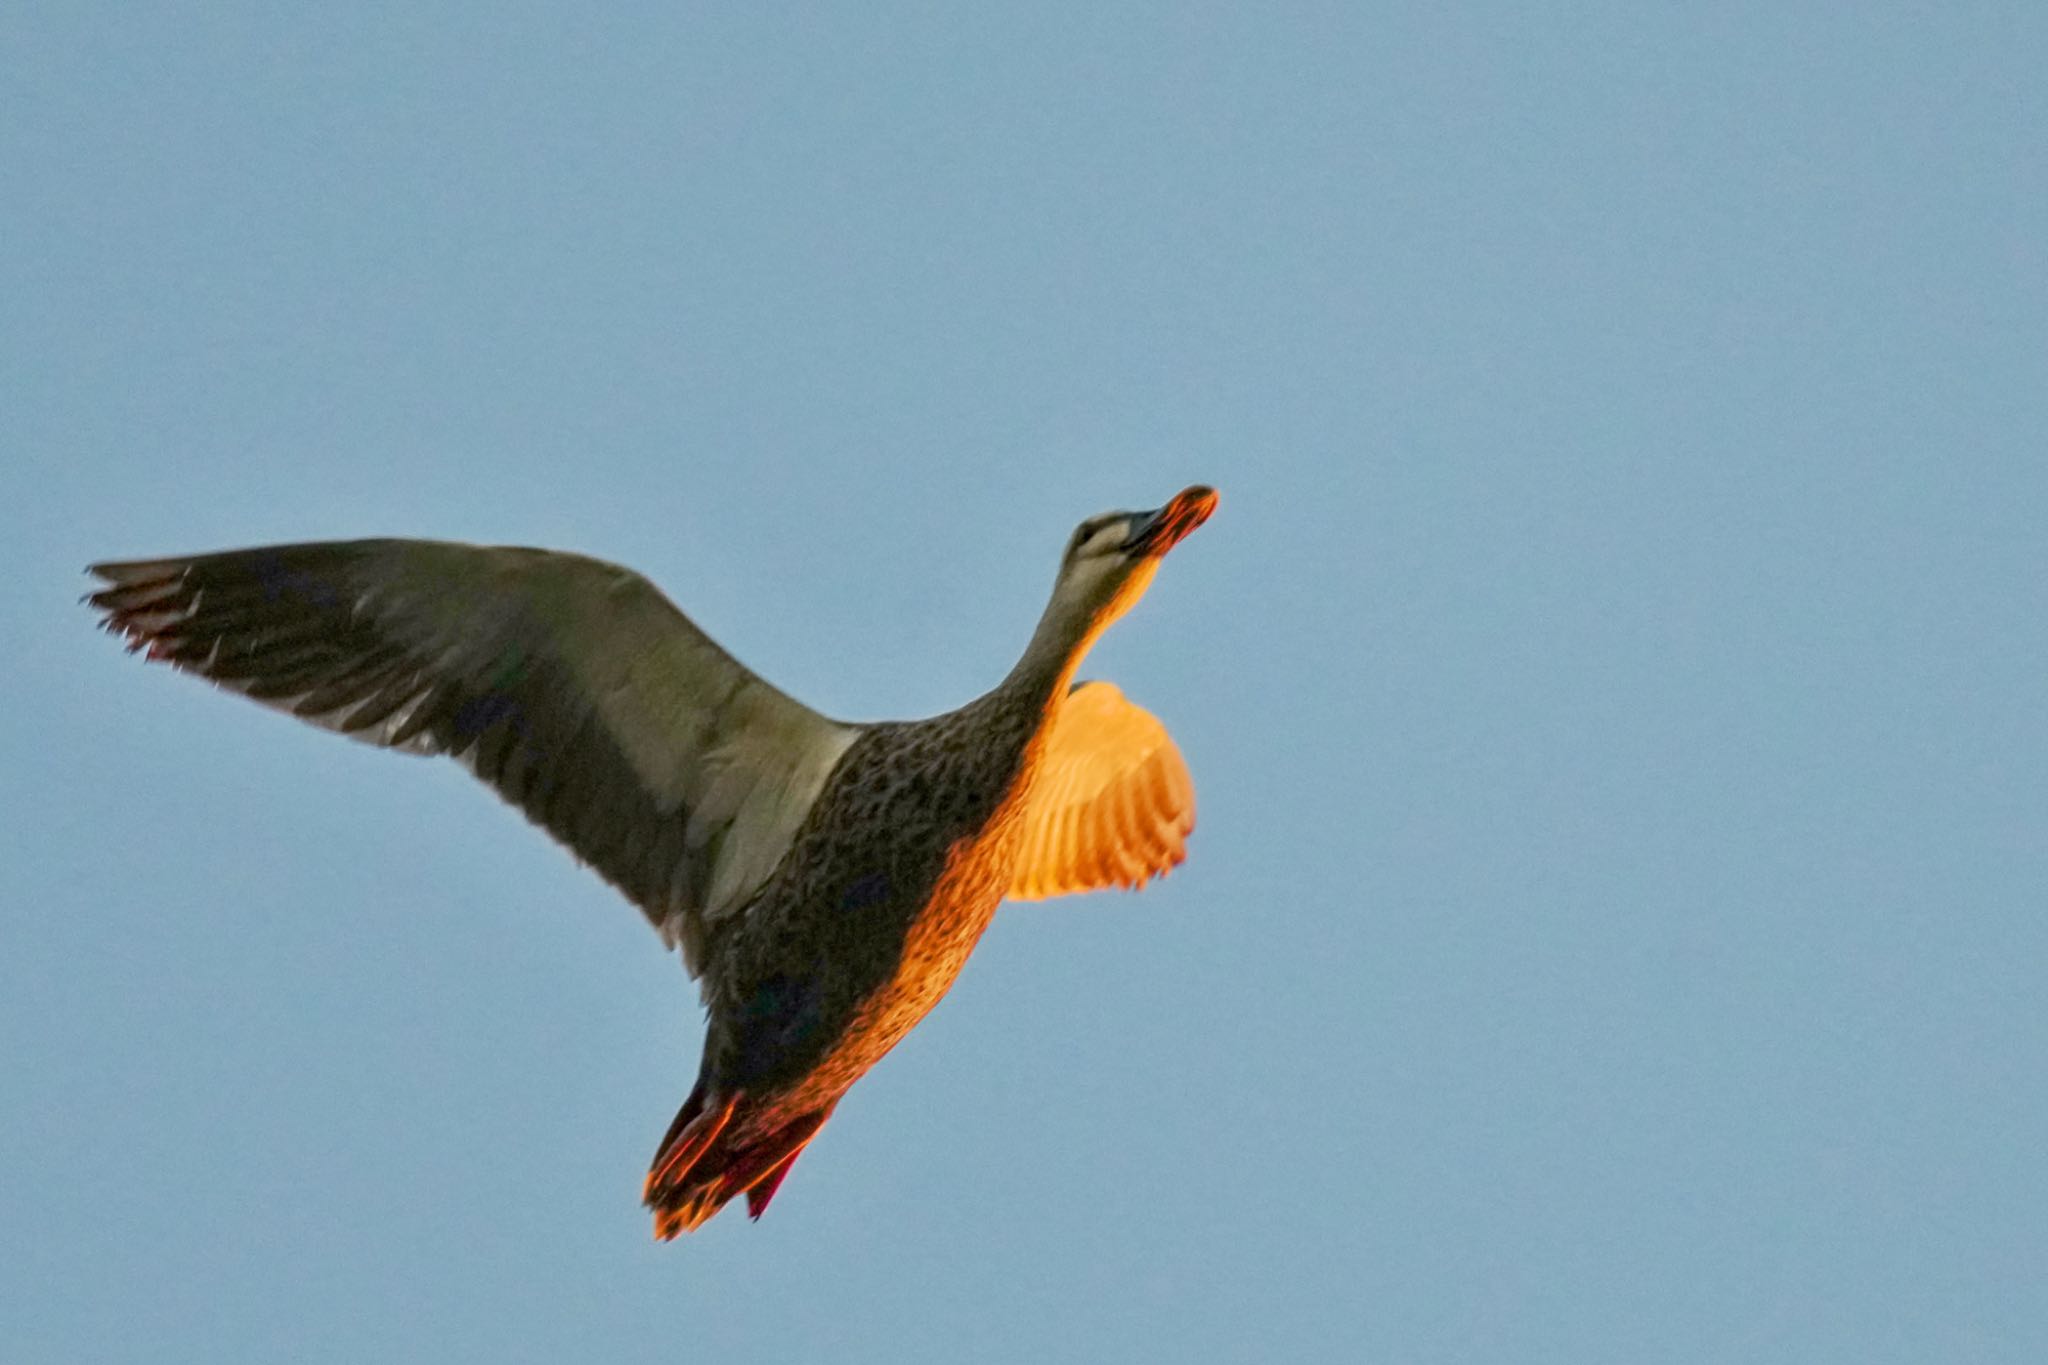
935 946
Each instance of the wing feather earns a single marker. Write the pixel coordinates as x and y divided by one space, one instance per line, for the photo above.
1112 804
570 685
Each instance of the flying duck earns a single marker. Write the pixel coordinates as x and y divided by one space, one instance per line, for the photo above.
824 881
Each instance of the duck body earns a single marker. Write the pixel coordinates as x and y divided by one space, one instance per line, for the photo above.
853 940
851 943
825 881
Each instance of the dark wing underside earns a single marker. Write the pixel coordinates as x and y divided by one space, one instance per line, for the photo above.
572 686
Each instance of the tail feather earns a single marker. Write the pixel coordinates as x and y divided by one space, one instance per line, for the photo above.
708 1157
689 1138
764 1190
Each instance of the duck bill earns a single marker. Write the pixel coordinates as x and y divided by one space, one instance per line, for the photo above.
1157 532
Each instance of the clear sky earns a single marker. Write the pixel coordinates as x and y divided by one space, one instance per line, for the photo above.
1614 676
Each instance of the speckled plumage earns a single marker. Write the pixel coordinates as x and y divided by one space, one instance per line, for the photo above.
890 882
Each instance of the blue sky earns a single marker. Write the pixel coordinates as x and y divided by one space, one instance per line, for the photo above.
1612 678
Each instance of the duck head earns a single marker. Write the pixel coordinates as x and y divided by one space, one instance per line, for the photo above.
1109 562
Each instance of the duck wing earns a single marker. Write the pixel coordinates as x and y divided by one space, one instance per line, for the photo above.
572 686
1112 804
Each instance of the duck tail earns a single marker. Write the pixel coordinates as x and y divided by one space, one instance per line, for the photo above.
703 1161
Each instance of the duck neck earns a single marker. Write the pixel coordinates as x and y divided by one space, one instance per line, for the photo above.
1046 668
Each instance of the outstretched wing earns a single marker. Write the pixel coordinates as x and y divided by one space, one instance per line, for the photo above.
570 685
1112 804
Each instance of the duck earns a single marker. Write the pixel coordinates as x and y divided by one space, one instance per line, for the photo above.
823 881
